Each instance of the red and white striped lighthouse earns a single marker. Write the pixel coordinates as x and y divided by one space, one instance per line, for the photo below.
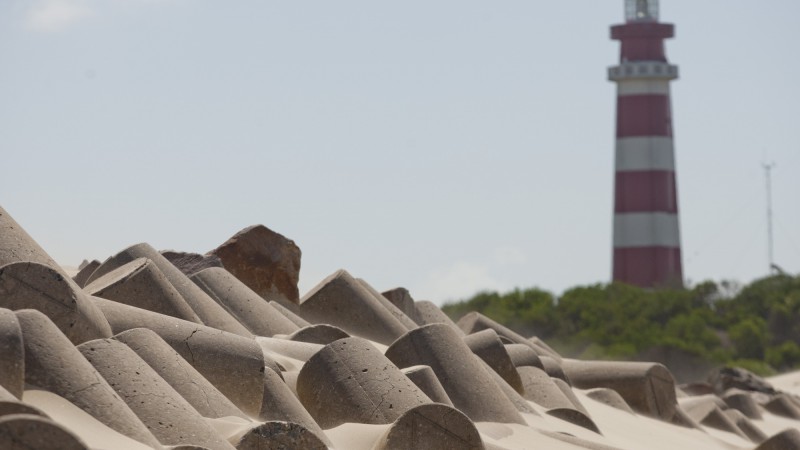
647 247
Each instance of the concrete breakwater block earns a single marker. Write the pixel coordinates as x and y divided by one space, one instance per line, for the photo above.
322 334
788 439
297 320
191 263
206 309
746 426
394 310
278 435
426 380
12 355
185 379
171 419
518 400
742 401
544 390
523 355
342 301
54 364
401 298
609 397
141 284
461 373
474 321
487 346
233 364
266 261
349 380
28 432
30 285
255 313
281 404
431 426
708 413
428 314
648 388
782 405
302 351
85 272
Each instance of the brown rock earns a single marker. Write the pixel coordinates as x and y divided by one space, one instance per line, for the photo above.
264 260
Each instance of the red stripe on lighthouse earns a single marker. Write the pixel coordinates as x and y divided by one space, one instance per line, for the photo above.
643 115
645 191
648 266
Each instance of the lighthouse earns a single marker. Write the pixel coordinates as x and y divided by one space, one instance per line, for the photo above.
647 247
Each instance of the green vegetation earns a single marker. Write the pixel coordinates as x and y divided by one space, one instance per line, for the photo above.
756 327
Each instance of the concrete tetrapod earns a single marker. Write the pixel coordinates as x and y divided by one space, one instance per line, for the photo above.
487 345
297 320
255 313
12 405
176 371
206 309
30 285
322 334
281 404
609 397
278 435
474 321
431 426
426 380
469 386
523 355
29 432
545 391
518 400
54 364
167 415
401 298
141 284
648 388
214 353
342 301
12 354
745 425
349 380
85 272
788 439
429 314
391 307
742 401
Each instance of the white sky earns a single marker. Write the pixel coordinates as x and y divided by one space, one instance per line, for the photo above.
444 146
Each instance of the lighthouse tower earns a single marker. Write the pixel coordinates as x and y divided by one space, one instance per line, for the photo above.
647 248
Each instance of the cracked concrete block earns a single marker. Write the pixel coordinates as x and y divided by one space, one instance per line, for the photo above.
426 380
342 301
206 309
140 283
788 439
462 374
297 320
28 432
429 314
401 298
12 355
648 388
281 404
85 272
523 355
52 363
176 371
609 397
322 334
742 401
487 345
278 435
255 313
233 364
433 426
394 310
30 285
264 260
171 419
349 380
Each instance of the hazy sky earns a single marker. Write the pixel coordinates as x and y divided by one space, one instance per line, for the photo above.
445 146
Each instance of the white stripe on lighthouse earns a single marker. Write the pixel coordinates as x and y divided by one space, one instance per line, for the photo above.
646 230
642 86
645 153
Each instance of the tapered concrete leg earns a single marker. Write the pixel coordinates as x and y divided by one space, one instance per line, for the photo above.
609 397
297 320
54 364
742 401
176 371
141 284
27 432
487 345
32 285
85 272
393 310
214 353
429 314
350 380
206 309
518 400
280 404
468 384
426 380
432 426
401 298
318 334
523 355
243 303
543 390
167 415
788 439
745 425
12 354
277 435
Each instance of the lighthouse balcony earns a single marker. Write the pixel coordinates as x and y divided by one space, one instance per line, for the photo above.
643 70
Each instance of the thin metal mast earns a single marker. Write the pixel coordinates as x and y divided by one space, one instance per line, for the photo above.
768 178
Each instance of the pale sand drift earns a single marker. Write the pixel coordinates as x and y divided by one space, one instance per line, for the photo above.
272 380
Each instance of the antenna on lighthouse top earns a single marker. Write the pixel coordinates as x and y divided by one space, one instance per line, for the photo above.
641 10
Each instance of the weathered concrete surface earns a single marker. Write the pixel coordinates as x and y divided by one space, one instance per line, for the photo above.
429 314
474 321
575 417
342 301
543 390
426 380
140 283
191 263
264 260
609 397
783 405
350 380
281 404
185 379
278 435
523 355
742 401
12 355
788 439
54 364
487 346
36 286
746 426
469 386
516 399
255 313
302 351
393 310
318 334
431 426
85 272
214 353
297 320
206 309
401 298
29 432
171 419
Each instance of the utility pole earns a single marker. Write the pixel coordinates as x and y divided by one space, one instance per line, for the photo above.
768 177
